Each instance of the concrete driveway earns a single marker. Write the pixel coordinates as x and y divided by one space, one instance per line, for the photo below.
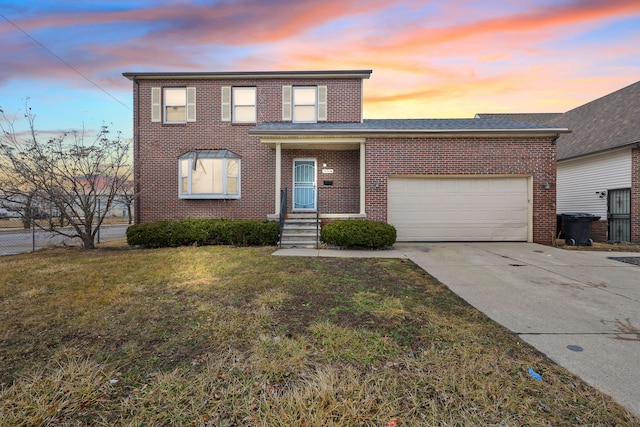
579 308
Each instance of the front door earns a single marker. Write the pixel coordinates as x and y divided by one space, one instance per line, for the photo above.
619 214
304 185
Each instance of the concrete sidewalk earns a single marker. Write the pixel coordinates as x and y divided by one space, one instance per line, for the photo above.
339 253
580 308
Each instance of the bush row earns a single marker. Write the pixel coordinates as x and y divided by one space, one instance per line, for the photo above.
203 231
354 233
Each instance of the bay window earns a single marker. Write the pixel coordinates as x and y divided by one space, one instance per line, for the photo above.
209 174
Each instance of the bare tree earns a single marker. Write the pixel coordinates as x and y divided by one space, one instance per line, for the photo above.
63 177
126 198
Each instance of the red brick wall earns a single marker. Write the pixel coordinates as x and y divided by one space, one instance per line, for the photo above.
343 196
635 195
468 156
599 230
159 146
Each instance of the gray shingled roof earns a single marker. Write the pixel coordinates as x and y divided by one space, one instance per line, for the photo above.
541 118
406 126
606 123
603 124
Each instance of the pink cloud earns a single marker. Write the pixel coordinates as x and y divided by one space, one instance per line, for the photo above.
432 64
553 17
240 22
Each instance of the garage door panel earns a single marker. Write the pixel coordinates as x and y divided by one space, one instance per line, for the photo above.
459 209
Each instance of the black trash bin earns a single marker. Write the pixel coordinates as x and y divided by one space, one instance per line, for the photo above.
576 227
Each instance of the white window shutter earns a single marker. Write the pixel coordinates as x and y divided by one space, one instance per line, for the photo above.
322 103
286 103
226 103
191 104
156 106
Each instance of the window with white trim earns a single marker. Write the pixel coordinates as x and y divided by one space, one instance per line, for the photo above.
305 101
178 104
244 104
238 104
304 104
209 174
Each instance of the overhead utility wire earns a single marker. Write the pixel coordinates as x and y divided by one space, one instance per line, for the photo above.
64 62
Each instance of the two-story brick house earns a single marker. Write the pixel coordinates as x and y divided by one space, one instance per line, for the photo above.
224 145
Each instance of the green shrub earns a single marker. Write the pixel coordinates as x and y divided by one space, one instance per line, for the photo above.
203 232
354 233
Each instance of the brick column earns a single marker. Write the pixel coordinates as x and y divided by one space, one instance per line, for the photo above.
635 195
363 177
278 176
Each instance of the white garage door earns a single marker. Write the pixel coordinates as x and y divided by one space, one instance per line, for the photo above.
459 209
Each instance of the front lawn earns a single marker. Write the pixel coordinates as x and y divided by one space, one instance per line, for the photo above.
220 336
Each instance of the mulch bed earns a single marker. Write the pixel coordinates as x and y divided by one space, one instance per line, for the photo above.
629 260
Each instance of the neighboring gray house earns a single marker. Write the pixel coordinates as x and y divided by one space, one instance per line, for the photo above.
599 162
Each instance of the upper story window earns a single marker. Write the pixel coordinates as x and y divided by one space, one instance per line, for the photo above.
244 104
173 104
209 174
238 104
304 104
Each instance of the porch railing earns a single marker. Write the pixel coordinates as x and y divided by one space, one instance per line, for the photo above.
317 218
283 213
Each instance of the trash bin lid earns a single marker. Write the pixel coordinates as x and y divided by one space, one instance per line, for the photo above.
579 215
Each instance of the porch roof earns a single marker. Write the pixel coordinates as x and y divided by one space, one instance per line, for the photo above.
407 126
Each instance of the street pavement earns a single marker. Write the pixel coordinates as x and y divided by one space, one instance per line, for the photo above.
580 308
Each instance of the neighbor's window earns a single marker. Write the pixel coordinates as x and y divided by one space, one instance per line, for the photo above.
209 174
244 104
305 101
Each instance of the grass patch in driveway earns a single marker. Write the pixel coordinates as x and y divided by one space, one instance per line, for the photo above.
234 336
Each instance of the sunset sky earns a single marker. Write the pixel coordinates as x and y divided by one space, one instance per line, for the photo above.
436 58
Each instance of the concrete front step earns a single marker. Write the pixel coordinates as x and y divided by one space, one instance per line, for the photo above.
296 228
305 245
300 233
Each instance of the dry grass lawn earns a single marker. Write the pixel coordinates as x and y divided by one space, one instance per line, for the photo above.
220 336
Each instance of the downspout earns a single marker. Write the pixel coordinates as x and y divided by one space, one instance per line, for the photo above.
136 154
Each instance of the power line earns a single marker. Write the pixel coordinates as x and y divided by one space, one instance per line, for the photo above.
65 62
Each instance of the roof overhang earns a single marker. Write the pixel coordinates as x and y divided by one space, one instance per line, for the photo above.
341 143
335 74
405 133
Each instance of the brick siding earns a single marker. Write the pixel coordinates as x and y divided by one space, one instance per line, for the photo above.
599 230
160 145
635 195
535 157
343 195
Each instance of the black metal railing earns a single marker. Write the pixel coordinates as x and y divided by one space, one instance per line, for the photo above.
317 218
283 213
